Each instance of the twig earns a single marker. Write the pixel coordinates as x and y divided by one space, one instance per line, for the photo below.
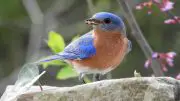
91 6
37 28
138 35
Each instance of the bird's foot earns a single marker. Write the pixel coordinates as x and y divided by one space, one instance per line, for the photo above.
84 79
40 85
97 77
81 78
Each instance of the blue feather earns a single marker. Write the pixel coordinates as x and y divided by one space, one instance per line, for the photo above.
81 48
116 22
78 49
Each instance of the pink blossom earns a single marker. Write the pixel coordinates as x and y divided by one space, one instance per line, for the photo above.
164 68
164 58
178 76
167 5
170 21
139 7
174 20
155 55
163 5
170 62
171 55
147 63
145 4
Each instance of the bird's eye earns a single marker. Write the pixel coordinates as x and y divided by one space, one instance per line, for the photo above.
107 20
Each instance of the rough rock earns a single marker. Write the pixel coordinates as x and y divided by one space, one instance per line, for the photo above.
127 89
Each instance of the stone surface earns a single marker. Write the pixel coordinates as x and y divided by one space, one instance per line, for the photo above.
127 89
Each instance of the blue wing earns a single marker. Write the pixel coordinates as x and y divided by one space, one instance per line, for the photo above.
80 48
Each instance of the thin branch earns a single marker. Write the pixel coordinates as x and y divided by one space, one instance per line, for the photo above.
91 6
37 28
50 15
33 11
138 35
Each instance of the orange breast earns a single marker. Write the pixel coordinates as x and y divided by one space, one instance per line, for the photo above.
110 50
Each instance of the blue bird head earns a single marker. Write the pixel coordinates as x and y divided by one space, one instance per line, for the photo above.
107 22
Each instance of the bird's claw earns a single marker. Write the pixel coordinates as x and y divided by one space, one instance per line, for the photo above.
81 78
40 85
97 77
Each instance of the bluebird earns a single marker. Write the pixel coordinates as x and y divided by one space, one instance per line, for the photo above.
100 50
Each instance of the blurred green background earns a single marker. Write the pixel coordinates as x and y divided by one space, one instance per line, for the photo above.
24 27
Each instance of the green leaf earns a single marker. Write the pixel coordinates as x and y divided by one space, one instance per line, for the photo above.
54 62
66 73
56 42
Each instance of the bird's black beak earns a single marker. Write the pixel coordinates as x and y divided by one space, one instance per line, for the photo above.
93 21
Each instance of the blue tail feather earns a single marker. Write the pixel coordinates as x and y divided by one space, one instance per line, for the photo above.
50 58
